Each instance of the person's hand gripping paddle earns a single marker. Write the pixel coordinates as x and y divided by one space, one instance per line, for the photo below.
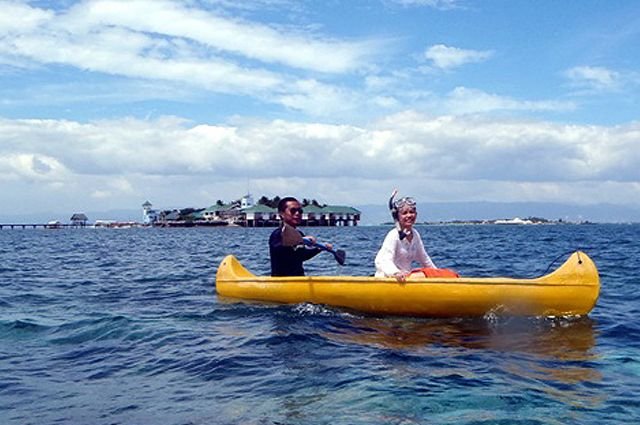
291 237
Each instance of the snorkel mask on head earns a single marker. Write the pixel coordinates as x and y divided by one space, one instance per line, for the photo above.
394 207
404 202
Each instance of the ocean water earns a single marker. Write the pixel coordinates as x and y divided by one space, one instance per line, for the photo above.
123 326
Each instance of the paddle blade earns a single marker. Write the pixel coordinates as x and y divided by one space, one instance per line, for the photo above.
290 236
340 256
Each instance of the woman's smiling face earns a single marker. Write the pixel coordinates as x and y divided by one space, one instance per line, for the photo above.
407 216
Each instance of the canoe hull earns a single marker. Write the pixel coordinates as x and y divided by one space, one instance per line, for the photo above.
572 289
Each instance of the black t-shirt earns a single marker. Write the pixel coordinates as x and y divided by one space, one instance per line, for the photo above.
287 260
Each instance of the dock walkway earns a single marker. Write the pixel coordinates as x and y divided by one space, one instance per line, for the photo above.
37 225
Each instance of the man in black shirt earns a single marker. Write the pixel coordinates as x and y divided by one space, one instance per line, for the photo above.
287 247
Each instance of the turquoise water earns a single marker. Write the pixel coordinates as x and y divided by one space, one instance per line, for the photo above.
124 327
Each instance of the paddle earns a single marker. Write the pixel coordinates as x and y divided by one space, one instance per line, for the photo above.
291 237
338 254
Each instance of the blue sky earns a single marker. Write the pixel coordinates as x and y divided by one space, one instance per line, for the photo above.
106 104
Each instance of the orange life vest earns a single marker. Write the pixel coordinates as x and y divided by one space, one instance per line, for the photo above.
431 272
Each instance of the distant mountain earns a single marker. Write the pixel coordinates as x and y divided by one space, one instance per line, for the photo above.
449 211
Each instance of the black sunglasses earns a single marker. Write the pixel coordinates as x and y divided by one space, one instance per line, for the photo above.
295 210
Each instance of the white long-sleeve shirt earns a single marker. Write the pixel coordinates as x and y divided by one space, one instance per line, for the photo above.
397 255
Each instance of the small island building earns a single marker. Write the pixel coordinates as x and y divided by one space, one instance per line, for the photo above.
330 215
149 215
260 216
246 213
313 215
79 220
231 213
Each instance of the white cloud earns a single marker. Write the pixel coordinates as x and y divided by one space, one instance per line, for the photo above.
120 52
246 39
387 102
93 33
462 100
436 4
316 98
116 186
446 57
101 194
30 18
182 45
32 167
594 78
132 159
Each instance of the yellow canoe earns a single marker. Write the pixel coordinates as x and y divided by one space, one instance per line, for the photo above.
572 289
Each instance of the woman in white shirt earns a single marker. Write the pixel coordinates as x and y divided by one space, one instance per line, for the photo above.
403 245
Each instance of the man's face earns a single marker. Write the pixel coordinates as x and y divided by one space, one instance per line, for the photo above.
292 215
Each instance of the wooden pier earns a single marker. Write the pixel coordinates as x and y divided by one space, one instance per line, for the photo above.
37 226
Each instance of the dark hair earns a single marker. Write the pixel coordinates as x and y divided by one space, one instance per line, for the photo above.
282 205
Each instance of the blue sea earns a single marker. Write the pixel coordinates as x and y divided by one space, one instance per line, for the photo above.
123 326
